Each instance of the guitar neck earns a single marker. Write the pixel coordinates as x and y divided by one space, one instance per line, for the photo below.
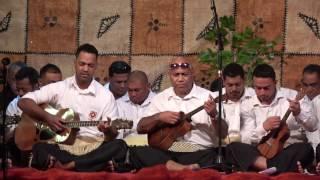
286 116
190 114
77 124
117 123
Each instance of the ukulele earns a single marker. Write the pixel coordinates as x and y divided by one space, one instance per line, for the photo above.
39 131
271 144
164 137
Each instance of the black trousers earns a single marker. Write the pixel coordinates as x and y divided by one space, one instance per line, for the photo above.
19 158
318 153
95 160
244 155
144 156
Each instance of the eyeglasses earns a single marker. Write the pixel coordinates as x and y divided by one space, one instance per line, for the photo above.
181 65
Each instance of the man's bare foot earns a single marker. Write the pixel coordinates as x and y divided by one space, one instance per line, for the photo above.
9 163
174 166
300 168
54 163
110 166
66 166
318 168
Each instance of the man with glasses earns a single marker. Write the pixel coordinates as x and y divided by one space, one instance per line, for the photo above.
197 145
311 85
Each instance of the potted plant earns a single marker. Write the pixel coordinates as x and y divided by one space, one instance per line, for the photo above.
244 48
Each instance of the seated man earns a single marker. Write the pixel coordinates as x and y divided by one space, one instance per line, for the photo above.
49 73
311 84
94 146
140 97
262 114
10 90
196 144
235 93
118 76
26 80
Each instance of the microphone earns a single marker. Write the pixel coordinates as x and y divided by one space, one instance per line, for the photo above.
5 61
3 70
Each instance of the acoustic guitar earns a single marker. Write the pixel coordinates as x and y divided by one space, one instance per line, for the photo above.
164 136
271 144
30 131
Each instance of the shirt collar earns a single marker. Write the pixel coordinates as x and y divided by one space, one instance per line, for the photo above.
90 90
279 95
246 95
125 97
193 93
146 102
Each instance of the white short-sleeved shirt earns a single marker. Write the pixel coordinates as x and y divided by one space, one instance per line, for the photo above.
253 113
92 104
124 98
130 111
314 137
202 133
231 111
13 108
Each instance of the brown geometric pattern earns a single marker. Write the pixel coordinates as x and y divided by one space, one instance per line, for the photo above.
157 27
13 22
64 62
148 33
104 62
292 69
302 24
52 26
112 19
155 66
13 57
197 17
265 17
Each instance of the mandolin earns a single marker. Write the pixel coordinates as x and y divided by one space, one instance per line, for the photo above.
271 144
40 131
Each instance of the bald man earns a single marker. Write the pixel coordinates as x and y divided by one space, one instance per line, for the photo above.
140 97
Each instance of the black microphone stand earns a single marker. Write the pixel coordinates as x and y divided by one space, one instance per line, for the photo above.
4 164
219 162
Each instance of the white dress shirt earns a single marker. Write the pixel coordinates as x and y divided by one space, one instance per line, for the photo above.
124 98
253 113
203 132
231 110
92 104
12 110
130 111
314 137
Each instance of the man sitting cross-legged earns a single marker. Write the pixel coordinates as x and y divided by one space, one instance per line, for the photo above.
89 99
197 144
